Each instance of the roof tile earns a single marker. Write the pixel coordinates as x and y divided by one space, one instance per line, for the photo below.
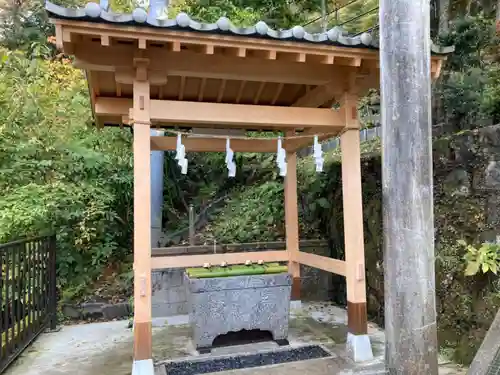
336 36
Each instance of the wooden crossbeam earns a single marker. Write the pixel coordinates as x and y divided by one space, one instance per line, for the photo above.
228 115
183 261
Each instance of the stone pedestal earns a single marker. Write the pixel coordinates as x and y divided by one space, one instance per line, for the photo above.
359 348
230 304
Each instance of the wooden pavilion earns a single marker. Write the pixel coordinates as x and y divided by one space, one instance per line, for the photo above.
179 74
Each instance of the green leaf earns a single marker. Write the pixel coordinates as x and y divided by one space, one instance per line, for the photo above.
485 267
323 203
472 269
493 268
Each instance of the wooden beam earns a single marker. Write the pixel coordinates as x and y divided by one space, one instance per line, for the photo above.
331 265
228 115
126 76
142 217
292 220
96 57
436 68
234 247
183 261
200 144
320 95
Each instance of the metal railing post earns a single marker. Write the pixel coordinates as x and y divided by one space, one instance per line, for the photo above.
52 283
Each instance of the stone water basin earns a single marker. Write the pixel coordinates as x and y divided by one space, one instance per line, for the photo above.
231 299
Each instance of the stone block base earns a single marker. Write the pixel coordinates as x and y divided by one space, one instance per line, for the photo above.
144 367
359 347
231 304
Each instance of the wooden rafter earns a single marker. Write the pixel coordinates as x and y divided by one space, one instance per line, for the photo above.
259 93
277 93
201 91
320 95
220 93
240 91
91 56
182 87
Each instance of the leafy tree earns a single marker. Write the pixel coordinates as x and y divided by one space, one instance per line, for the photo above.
58 173
467 93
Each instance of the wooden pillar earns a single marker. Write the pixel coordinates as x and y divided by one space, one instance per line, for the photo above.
353 221
142 216
292 221
410 311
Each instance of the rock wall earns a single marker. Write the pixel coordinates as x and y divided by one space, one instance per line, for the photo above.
466 206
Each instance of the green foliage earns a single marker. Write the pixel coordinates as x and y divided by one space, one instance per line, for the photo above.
211 11
473 38
468 91
276 13
57 173
485 258
462 95
491 94
255 214
24 25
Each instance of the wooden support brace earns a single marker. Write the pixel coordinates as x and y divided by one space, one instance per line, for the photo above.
142 217
353 223
331 265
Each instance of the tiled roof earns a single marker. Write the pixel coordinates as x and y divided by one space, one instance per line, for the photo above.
336 36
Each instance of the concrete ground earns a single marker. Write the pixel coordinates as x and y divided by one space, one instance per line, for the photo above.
106 348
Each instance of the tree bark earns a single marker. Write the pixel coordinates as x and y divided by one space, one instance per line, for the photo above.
498 16
324 22
410 311
444 16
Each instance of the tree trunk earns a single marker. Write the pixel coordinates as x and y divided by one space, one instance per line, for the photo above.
468 6
444 16
409 273
324 22
498 16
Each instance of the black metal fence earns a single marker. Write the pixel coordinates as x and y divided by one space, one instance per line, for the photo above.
28 293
